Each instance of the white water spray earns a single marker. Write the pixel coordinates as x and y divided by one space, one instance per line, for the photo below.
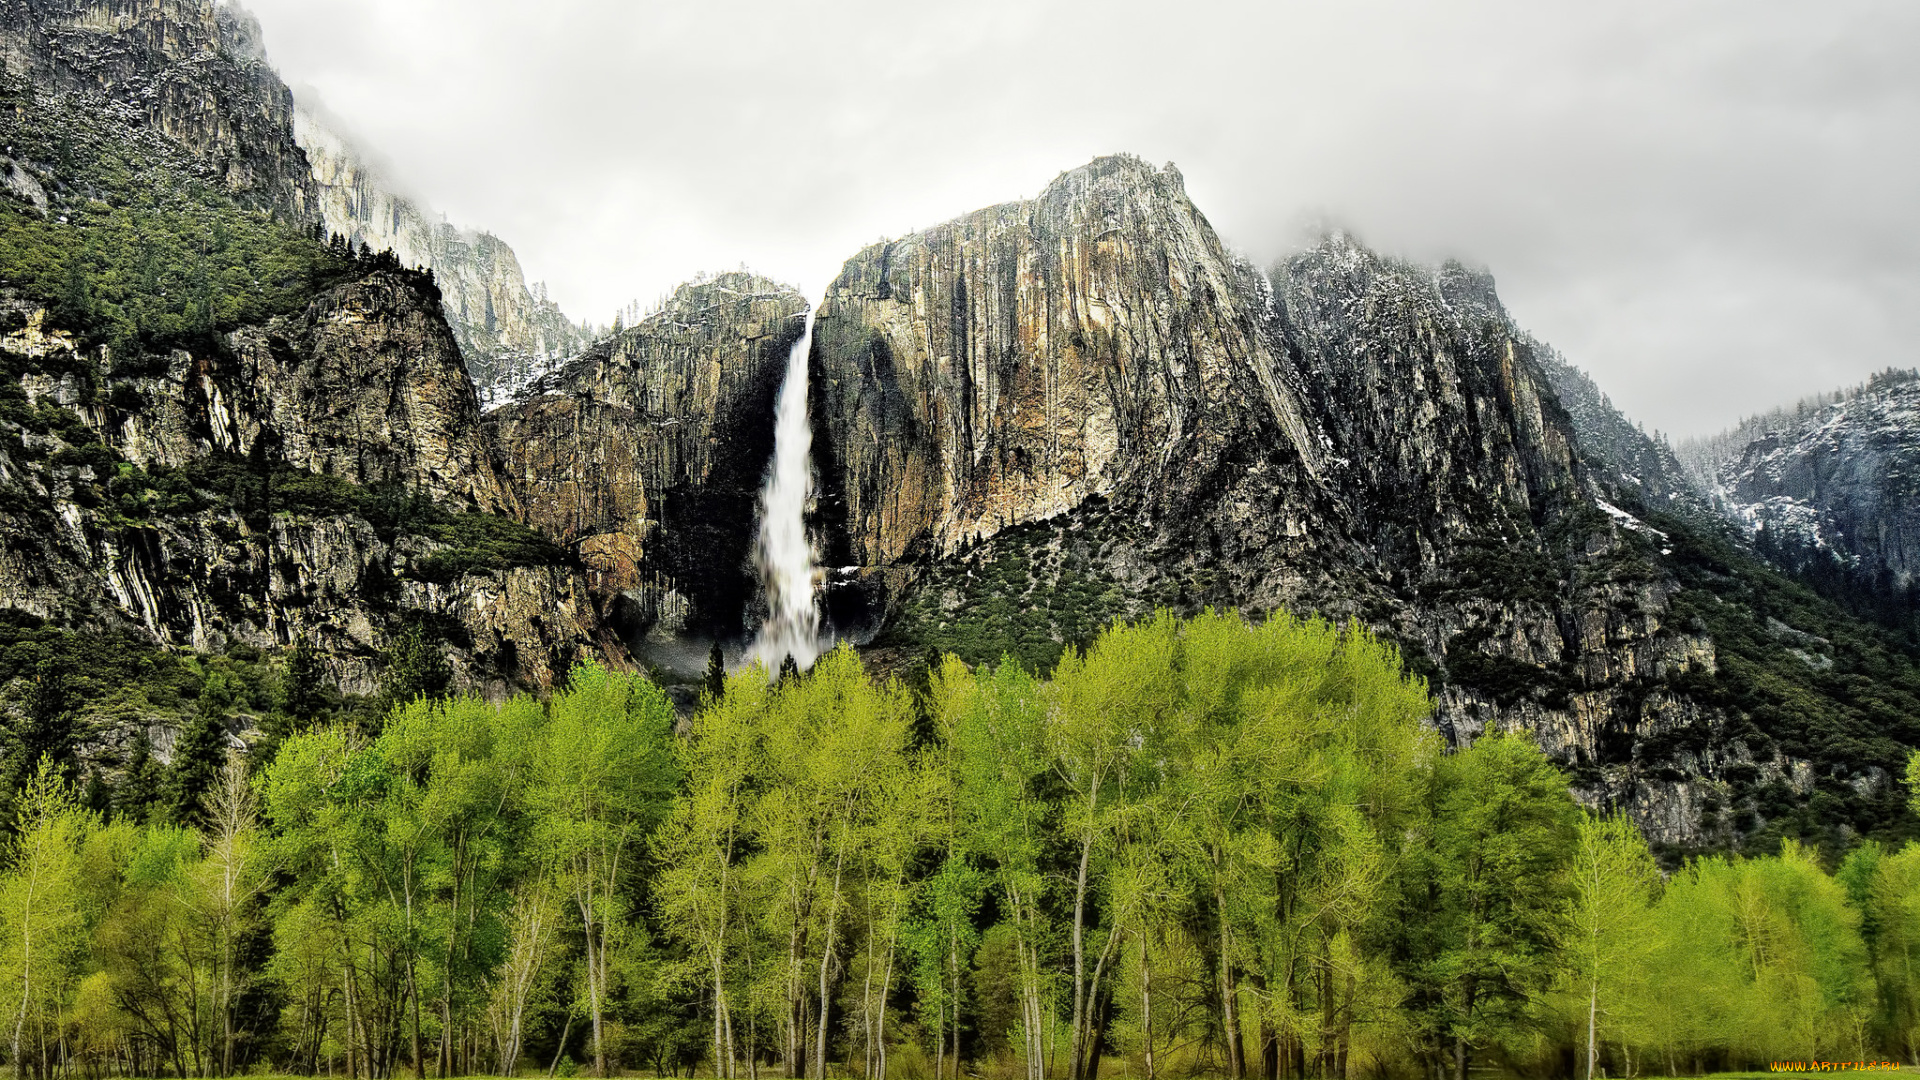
783 554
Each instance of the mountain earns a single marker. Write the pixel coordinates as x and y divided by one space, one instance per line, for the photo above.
1830 489
1618 449
190 71
223 433
220 432
508 333
1047 414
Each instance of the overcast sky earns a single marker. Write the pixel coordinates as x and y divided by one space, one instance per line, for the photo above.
1713 207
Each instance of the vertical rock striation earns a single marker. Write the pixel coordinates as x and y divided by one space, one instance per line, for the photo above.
1011 364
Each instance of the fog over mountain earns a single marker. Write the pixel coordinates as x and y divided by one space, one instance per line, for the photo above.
1707 205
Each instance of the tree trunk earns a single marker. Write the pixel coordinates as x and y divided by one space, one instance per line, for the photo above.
346 982
1346 1030
1229 995
26 992
954 951
826 959
1459 1059
413 992
566 1030
722 1054
593 986
796 1022
1100 1006
1076 1067
1593 1020
1146 1007
1269 1042
886 981
940 1045
1029 991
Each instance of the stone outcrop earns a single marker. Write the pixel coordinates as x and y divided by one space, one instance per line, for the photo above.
646 454
509 334
366 384
1008 365
191 70
1100 343
111 477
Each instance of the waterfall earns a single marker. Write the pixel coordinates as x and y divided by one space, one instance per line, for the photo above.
783 554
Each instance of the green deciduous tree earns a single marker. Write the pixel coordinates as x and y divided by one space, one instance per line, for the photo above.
1485 896
43 895
1609 934
702 845
1110 710
1761 959
604 778
834 744
996 723
1885 889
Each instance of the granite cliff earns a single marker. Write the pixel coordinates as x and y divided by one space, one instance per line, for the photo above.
1828 490
307 480
190 70
220 433
646 455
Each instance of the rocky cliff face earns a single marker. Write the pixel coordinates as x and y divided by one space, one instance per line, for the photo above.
121 506
1048 413
1615 447
509 334
1831 489
317 468
192 70
1098 343
1009 365
366 384
646 455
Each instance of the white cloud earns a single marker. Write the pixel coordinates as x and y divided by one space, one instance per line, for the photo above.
1707 204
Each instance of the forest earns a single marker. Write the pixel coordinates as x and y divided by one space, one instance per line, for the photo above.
1202 846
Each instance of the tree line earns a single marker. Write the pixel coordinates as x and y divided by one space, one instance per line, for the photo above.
1200 847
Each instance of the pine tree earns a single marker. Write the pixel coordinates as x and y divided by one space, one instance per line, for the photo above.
140 788
46 731
304 698
716 682
416 668
197 759
97 797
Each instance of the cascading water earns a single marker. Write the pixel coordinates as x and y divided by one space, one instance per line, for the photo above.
783 554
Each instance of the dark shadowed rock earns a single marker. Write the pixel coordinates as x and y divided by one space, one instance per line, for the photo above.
646 454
